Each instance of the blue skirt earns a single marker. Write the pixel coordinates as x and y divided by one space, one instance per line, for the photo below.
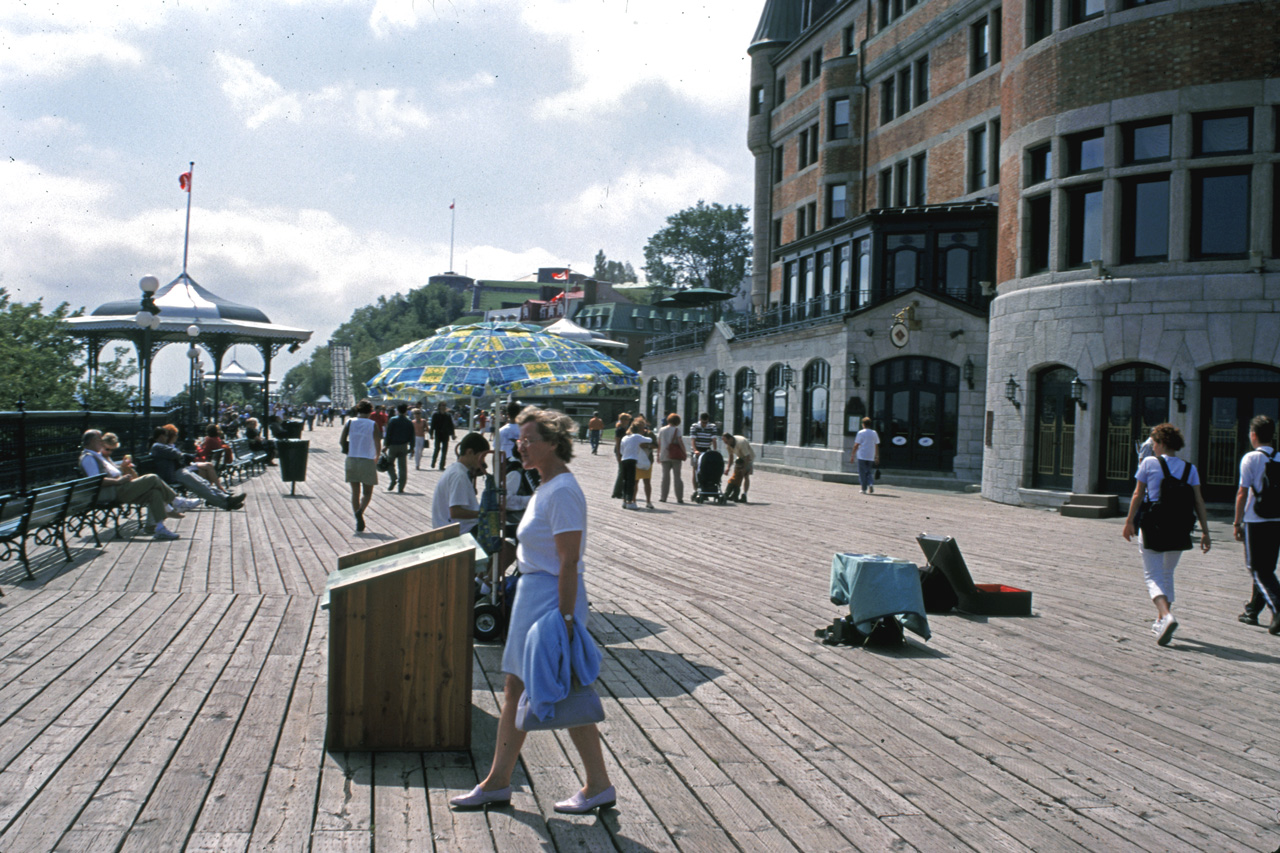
537 594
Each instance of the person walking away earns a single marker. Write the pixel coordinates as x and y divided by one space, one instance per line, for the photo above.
442 432
703 435
399 437
553 539
595 427
619 432
866 453
1162 476
738 448
632 449
454 499
644 464
671 456
419 436
361 440
1257 520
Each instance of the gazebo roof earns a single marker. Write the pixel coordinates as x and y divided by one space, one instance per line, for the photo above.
181 303
235 373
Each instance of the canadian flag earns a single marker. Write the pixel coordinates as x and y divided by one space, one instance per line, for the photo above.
184 181
560 276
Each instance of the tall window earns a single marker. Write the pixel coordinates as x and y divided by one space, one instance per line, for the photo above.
692 397
904 91
817 397
979 159
777 164
1086 10
743 403
655 400
922 79
1039 164
1085 152
673 394
886 188
919 194
900 181
839 119
780 90
862 252
887 100
757 100
1038 234
979 45
1144 219
1084 235
1220 213
775 425
903 261
957 264
837 203
1039 20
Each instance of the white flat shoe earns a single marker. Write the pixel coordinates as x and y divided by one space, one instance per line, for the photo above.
479 798
580 803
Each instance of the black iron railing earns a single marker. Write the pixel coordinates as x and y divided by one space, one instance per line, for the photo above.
44 447
824 309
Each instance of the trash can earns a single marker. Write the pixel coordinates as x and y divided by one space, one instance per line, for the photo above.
291 429
292 454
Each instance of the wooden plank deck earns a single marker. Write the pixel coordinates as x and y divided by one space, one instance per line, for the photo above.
170 696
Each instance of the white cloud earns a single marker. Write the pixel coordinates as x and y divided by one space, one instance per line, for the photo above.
47 54
652 190
384 113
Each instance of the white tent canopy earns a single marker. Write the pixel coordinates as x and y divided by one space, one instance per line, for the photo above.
566 328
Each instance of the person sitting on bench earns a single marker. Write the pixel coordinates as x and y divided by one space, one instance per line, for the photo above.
148 490
175 467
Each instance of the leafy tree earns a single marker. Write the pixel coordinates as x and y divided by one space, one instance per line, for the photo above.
701 246
114 388
37 356
374 329
615 272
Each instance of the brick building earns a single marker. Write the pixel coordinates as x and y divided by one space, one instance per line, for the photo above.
1017 235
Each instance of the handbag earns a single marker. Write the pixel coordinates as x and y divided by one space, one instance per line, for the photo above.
384 462
675 450
581 707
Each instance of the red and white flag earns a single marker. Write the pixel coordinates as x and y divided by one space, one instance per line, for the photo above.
184 181
451 205
560 276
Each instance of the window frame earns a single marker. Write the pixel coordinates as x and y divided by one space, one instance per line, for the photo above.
1077 219
834 125
1075 150
1129 216
1197 176
1197 132
1127 131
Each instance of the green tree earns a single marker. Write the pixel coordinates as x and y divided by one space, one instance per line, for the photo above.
114 388
613 271
390 322
38 359
701 246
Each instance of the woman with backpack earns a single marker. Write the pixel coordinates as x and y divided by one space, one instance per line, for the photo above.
1165 503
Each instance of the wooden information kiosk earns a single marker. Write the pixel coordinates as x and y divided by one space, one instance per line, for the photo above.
400 649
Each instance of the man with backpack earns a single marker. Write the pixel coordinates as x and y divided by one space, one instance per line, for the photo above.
1257 520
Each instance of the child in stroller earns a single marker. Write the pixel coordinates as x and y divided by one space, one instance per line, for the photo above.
710 470
733 490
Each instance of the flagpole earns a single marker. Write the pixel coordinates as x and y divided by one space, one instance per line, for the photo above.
453 218
186 238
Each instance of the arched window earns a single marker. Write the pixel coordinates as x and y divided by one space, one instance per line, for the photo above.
715 395
655 400
957 264
775 422
904 262
673 395
692 394
817 398
744 402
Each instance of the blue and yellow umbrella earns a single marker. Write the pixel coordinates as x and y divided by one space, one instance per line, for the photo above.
496 359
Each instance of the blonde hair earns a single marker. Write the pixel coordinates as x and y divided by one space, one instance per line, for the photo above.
555 428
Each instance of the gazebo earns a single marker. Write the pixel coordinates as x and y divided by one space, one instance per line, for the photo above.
184 312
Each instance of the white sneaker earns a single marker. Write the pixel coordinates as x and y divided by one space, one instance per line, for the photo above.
163 532
1163 629
630 506
184 504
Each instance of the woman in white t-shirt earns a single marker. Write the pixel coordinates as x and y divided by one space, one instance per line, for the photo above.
635 454
553 538
1158 566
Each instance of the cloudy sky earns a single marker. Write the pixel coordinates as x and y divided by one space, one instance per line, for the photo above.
330 136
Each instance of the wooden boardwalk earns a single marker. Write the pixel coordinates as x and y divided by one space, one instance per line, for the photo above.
170 696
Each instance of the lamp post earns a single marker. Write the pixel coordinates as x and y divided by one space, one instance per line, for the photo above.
147 319
193 356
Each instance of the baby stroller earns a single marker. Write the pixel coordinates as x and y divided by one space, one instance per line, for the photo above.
710 470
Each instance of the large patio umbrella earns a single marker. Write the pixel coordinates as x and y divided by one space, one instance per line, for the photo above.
496 359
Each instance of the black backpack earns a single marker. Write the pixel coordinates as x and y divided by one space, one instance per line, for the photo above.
1266 501
1167 523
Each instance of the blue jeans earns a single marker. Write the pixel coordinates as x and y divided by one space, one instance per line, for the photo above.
866 473
595 439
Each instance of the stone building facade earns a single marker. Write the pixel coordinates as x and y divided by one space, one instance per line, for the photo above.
1075 198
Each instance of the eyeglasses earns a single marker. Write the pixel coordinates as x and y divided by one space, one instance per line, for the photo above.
526 440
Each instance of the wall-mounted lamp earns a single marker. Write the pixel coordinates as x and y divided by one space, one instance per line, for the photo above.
1180 393
1098 270
1011 392
673 385
854 371
988 288
1077 392
957 333
968 372
695 383
751 379
869 332
788 375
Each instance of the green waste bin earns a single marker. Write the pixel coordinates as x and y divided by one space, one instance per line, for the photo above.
292 454
291 429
